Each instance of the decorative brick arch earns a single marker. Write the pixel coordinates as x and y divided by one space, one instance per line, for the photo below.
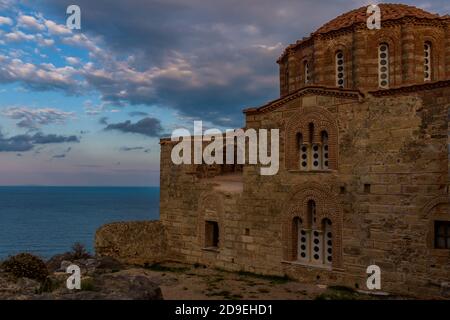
323 121
210 208
327 207
440 200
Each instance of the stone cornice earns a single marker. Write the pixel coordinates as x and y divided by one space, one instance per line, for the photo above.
310 90
410 88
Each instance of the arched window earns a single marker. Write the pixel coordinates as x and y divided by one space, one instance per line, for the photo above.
286 76
327 241
383 66
312 212
340 69
306 72
313 155
303 148
325 155
314 241
427 61
298 237
315 126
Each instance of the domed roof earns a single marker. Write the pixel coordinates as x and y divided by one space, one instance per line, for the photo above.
389 11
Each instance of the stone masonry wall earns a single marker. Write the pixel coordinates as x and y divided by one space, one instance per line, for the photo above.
133 242
398 147
391 182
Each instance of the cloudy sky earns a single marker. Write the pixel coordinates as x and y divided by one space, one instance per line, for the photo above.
87 107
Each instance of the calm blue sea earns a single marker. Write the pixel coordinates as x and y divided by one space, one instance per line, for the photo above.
48 220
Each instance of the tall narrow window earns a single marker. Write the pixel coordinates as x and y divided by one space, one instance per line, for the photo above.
211 234
383 66
325 150
303 152
306 72
313 239
315 152
312 155
340 70
442 234
312 212
327 241
286 76
302 240
427 61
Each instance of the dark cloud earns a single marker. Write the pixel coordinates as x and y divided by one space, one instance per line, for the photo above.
40 138
205 59
103 121
62 155
26 142
131 148
137 114
93 166
148 126
33 118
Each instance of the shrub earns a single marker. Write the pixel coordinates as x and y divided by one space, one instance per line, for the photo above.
49 285
87 284
79 251
26 265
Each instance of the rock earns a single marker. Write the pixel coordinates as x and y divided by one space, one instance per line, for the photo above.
17 289
54 263
109 263
129 285
64 265
134 284
91 262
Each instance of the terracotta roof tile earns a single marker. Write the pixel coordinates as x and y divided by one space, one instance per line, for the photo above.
388 12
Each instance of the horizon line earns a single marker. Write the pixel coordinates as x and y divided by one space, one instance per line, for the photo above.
78 186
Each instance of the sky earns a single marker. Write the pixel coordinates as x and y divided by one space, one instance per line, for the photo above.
88 107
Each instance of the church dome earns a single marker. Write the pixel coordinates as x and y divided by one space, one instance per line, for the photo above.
411 48
389 12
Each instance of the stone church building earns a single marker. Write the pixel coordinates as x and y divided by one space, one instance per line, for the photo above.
364 168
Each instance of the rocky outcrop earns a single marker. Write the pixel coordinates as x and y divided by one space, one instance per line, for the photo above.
132 284
100 280
132 242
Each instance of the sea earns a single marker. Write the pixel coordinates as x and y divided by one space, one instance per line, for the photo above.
48 220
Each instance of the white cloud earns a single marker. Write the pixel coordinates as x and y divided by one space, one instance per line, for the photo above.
57 29
30 22
41 77
5 21
45 42
19 36
72 60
